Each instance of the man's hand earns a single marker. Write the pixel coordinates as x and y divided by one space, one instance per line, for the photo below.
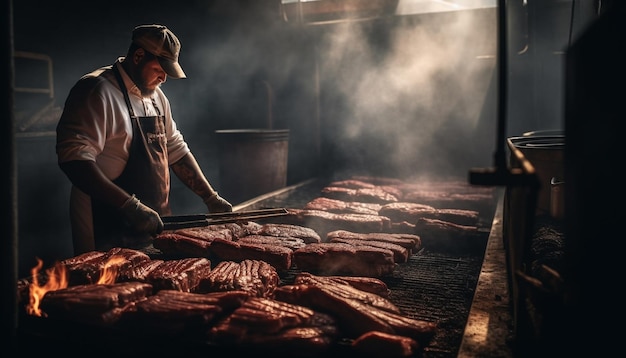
141 218
217 204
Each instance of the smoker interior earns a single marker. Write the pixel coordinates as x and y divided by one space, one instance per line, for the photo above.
431 286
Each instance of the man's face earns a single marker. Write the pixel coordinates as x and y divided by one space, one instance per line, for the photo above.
150 74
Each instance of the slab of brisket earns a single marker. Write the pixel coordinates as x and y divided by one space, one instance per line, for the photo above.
366 195
363 283
439 235
236 230
355 317
288 242
411 242
381 344
93 304
267 315
354 183
344 288
279 257
328 258
256 278
209 233
228 231
410 212
402 227
342 207
400 254
138 272
175 312
178 245
180 275
82 258
379 180
239 229
323 222
307 234
84 268
471 198
309 340
269 326
88 267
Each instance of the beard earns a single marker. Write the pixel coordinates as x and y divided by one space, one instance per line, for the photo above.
146 88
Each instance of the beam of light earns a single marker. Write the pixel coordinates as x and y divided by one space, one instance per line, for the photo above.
477 329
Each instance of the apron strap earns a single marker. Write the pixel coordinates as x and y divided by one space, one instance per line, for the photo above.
124 90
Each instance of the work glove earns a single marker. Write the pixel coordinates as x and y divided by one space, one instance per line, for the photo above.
141 218
217 204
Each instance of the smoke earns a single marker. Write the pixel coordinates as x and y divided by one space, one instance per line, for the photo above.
412 94
400 96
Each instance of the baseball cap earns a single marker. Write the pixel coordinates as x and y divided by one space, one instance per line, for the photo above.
161 42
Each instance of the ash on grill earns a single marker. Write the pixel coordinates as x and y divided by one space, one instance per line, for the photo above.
429 237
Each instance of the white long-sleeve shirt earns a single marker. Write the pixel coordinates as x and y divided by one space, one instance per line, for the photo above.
95 125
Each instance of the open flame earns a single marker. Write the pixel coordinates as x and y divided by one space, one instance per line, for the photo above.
108 273
57 279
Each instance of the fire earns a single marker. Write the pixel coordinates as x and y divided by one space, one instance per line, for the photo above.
108 273
57 279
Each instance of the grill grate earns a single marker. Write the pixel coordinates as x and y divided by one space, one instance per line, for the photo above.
437 288
431 286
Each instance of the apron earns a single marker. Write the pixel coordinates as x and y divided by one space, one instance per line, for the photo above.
146 175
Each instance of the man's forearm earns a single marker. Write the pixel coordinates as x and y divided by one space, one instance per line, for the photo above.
189 172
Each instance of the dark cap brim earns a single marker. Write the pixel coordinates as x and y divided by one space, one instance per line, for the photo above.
172 68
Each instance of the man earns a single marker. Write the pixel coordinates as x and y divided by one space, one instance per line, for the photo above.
116 142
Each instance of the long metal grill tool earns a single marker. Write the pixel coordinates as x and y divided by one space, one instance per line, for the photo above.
175 222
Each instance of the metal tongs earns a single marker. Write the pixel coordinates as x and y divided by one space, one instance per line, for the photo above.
175 222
